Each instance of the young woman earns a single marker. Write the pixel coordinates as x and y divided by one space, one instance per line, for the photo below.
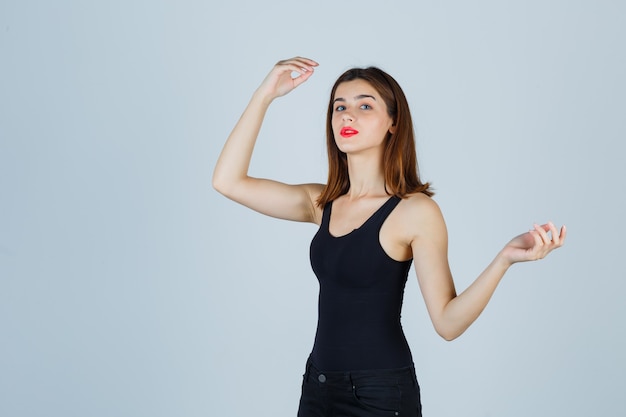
376 217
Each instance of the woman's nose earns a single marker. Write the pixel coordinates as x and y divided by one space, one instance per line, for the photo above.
346 116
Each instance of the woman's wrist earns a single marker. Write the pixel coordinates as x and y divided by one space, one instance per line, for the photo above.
502 261
262 97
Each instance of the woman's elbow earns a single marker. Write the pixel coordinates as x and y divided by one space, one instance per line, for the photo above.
448 334
218 185
448 337
221 184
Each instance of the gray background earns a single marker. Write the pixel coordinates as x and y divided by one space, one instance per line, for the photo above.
128 287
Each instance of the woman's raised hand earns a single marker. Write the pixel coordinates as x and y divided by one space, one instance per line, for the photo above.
535 244
280 80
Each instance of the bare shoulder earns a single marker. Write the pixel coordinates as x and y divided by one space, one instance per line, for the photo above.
419 207
414 222
421 217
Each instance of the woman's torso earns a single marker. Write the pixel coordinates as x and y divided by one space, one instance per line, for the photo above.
360 299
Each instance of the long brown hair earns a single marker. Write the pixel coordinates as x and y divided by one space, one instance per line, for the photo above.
399 157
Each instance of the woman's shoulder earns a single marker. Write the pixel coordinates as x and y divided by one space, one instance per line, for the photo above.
419 203
419 213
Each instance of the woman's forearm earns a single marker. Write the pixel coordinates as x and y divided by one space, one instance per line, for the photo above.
464 309
234 160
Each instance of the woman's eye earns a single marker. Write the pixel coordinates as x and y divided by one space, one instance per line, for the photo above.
365 106
340 108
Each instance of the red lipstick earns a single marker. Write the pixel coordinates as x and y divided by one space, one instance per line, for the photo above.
347 132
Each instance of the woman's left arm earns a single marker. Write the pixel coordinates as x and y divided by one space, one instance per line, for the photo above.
450 313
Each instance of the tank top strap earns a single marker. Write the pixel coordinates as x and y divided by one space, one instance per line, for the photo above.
376 220
326 214
384 211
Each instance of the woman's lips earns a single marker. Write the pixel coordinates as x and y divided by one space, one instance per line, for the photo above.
347 132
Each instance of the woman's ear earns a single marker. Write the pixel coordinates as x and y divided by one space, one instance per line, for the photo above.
392 129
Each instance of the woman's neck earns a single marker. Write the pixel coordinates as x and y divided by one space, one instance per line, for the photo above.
367 178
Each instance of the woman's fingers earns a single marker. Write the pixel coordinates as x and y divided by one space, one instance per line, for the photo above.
302 62
543 234
554 234
301 78
556 237
537 238
281 80
299 65
547 237
563 234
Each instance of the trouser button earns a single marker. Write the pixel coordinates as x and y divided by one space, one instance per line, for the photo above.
321 378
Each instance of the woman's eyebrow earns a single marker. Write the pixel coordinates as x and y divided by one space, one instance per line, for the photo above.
360 96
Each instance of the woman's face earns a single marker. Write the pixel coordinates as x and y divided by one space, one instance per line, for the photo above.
360 120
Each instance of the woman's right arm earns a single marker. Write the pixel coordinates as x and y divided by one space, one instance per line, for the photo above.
273 198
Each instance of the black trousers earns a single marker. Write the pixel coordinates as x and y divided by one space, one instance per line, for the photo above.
373 393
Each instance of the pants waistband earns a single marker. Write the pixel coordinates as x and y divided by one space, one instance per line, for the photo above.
404 375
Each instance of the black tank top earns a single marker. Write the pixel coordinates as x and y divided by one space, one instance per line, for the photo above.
360 298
